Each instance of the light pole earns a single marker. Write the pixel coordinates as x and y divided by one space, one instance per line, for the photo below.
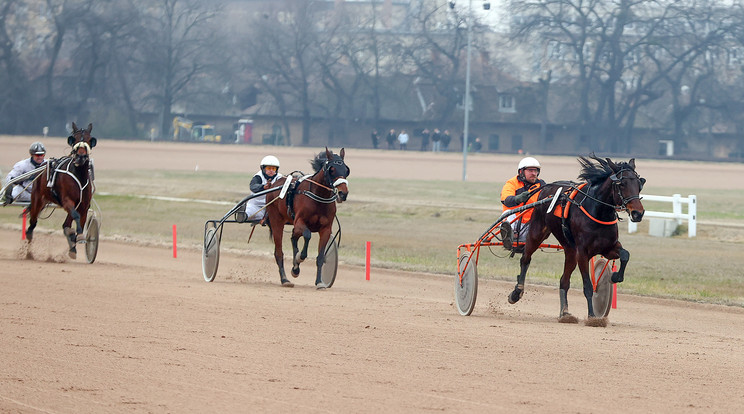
466 128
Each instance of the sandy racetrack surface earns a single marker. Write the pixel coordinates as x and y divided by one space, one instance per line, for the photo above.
139 331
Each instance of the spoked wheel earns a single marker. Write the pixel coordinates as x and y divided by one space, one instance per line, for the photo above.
466 292
330 265
91 239
602 297
210 254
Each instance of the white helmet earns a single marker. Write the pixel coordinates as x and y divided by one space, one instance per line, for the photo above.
528 162
37 148
270 160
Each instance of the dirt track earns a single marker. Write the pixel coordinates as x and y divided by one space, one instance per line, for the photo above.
139 331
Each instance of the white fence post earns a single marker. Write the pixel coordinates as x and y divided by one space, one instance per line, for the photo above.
677 207
676 213
692 213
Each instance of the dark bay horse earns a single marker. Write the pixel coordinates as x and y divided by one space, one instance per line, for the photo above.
66 182
313 208
588 227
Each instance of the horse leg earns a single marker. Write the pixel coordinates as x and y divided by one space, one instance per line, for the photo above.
299 256
323 235
569 264
33 215
67 229
534 238
583 262
279 254
524 264
33 218
624 256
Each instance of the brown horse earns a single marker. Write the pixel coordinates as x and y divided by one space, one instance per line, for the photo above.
313 208
589 227
66 182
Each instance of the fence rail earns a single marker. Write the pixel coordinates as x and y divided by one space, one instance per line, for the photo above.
676 214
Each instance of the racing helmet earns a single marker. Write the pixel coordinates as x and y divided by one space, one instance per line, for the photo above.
37 148
270 160
528 162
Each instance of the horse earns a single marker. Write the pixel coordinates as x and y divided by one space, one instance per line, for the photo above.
67 182
586 225
313 208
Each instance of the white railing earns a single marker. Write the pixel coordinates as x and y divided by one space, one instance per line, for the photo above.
676 214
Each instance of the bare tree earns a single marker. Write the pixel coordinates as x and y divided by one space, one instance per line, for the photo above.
281 47
175 42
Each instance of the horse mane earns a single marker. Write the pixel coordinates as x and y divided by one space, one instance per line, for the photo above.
319 160
595 170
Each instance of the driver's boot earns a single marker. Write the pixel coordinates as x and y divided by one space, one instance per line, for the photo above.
507 235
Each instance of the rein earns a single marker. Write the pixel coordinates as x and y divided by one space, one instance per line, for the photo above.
579 189
327 176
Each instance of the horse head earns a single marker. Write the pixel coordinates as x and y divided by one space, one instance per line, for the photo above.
81 143
336 171
627 186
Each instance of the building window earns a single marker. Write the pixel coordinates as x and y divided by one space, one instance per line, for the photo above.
493 142
517 142
506 103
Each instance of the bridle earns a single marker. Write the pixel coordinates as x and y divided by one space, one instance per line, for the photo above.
617 180
79 159
330 184
338 163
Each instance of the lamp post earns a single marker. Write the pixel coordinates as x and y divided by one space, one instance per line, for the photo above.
467 97
466 127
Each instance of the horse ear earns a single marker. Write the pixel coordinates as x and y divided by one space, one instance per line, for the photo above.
632 163
329 154
70 140
90 127
342 153
74 127
93 141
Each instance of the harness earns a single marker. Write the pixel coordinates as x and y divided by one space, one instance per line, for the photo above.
328 185
62 166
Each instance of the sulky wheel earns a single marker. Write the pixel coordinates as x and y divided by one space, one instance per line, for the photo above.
210 254
91 239
466 292
330 265
602 297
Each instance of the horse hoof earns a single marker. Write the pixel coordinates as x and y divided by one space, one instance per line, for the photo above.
515 295
617 277
287 284
596 322
295 273
568 318
72 254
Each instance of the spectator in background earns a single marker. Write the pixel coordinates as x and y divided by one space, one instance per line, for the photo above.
375 138
446 138
391 137
476 146
436 140
403 140
425 134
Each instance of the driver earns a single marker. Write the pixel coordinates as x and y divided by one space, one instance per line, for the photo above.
22 191
262 180
516 193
